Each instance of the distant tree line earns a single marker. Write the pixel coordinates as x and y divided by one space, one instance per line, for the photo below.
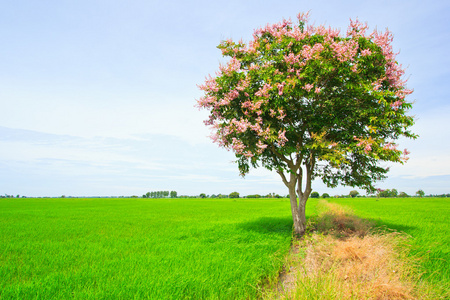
380 193
11 196
237 195
160 194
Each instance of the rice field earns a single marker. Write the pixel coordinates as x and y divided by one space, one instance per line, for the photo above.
141 248
69 248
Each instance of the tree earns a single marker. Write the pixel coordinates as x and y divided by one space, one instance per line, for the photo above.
393 193
325 195
309 102
233 195
384 193
202 195
314 195
387 193
354 193
173 194
420 193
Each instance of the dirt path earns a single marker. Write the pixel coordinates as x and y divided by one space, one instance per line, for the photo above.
342 257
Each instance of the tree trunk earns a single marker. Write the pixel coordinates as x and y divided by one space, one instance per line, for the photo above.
298 213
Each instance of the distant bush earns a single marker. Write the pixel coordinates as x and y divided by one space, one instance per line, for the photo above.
420 193
325 195
314 195
254 196
234 195
354 193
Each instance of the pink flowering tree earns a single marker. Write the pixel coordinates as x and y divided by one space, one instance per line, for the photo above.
309 102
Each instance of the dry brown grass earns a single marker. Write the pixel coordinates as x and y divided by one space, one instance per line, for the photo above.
343 259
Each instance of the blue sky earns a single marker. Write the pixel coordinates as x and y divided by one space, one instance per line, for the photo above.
97 97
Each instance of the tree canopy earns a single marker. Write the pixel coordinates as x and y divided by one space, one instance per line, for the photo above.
309 102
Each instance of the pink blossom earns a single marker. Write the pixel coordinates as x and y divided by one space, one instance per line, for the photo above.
282 137
345 50
206 101
264 91
264 133
306 52
248 154
241 125
281 114
253 67
280 88
210 120
276 30
297 34
224 102
232 95
308 87
217 138
390 146
291 58
356 28
396 105
232 66
242 85
376 86
252 46
402 93
256 127
366 52
394 71
260 146
405 155
303 17
366 144
317 90
210 85
247 104
237 146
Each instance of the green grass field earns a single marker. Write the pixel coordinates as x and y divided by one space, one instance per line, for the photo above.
179 248
141 248
427 220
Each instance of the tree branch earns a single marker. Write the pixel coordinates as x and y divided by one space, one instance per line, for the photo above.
282 157
283 177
